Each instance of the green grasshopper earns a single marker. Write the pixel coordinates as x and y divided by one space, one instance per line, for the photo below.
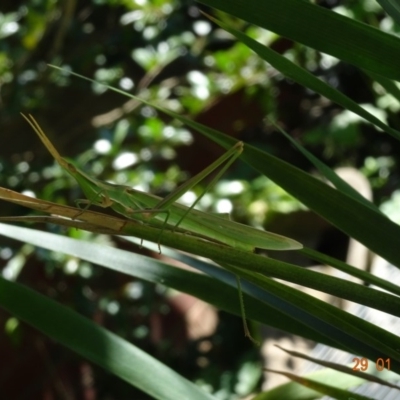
145 207
148 208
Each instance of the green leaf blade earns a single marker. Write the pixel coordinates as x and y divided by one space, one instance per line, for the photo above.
321 29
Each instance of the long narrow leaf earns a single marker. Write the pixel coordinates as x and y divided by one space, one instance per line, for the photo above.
203 287
321 29
392 7
332 391
342 328
305 78
353 271
96 344
329 174
357 220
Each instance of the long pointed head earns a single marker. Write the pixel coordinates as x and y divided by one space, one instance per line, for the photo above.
49 146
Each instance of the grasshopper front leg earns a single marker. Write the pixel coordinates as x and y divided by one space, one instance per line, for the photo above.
105 202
